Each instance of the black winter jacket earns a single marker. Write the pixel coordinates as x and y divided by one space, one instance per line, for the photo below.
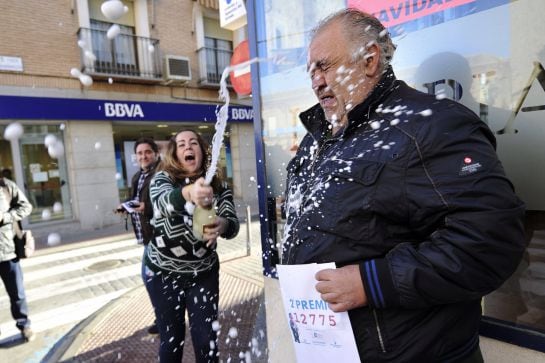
413 192
146 217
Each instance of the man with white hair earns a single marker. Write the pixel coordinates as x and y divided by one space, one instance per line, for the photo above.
405 193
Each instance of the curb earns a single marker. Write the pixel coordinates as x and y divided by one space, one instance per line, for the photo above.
67 347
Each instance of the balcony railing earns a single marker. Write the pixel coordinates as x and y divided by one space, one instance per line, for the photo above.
212 62
125 56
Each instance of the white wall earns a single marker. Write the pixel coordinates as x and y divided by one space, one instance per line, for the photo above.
244 163
92 173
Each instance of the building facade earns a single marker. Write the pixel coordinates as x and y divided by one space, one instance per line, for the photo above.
488 55
154 70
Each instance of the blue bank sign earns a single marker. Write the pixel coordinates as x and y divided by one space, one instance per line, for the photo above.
47 108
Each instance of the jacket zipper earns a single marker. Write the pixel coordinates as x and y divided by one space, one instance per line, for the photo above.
380 339
312 164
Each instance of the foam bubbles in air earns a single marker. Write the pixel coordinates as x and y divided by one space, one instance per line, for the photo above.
53 239
13 131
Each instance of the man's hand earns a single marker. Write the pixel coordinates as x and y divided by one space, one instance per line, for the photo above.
341 288
120 209
140 208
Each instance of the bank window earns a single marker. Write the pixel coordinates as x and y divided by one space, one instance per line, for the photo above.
45 173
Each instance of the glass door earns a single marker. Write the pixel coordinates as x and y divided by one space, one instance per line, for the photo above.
45 177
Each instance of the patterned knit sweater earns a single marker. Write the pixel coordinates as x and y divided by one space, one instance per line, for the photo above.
174 248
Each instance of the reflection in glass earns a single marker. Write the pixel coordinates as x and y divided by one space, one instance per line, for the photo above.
45 178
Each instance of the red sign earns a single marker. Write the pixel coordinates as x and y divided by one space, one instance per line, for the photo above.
241 79
392 12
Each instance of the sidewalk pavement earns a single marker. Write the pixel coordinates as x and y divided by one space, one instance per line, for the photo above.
118 332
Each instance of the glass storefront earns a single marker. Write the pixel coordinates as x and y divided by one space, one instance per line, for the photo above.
44 177
6 160
488 55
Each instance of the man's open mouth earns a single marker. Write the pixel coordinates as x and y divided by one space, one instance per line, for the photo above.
327 101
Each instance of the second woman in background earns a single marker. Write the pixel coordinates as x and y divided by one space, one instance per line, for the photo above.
183 271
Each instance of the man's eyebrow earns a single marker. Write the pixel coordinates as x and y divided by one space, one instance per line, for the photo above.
318 64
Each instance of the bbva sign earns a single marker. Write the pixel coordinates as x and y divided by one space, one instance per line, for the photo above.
115 109
242 114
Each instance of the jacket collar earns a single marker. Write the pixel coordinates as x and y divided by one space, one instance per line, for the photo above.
151 168
314 118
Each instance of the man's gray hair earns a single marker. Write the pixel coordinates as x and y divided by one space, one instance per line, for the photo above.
362 30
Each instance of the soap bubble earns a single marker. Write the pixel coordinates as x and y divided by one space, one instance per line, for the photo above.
233 332
426 112
85 80
13 131
53 239
98 145
90 56
74 72
46 215
113 9
57 207
56 150
113 31
49 140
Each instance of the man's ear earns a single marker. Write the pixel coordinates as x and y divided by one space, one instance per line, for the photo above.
372 60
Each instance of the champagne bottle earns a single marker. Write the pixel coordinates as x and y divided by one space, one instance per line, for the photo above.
201 218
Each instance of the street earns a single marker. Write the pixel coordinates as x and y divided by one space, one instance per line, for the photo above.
65 287
67 284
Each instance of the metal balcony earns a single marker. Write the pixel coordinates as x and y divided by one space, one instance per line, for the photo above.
126 56
212 62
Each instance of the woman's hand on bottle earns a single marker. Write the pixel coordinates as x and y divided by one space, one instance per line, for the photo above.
213 230
201 194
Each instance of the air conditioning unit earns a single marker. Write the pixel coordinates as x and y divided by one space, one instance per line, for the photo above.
177 68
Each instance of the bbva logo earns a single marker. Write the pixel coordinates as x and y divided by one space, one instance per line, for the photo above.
242 114
122 110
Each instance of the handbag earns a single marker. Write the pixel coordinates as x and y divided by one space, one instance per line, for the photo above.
23 240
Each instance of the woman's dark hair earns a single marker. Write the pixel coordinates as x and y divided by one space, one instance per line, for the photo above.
172 166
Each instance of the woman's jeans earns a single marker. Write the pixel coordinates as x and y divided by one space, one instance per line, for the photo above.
144 277
171 295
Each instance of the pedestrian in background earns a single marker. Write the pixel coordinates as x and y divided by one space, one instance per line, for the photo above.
147 156
14 206
405 193
182 270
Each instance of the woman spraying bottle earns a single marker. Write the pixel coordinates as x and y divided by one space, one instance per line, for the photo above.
182 267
